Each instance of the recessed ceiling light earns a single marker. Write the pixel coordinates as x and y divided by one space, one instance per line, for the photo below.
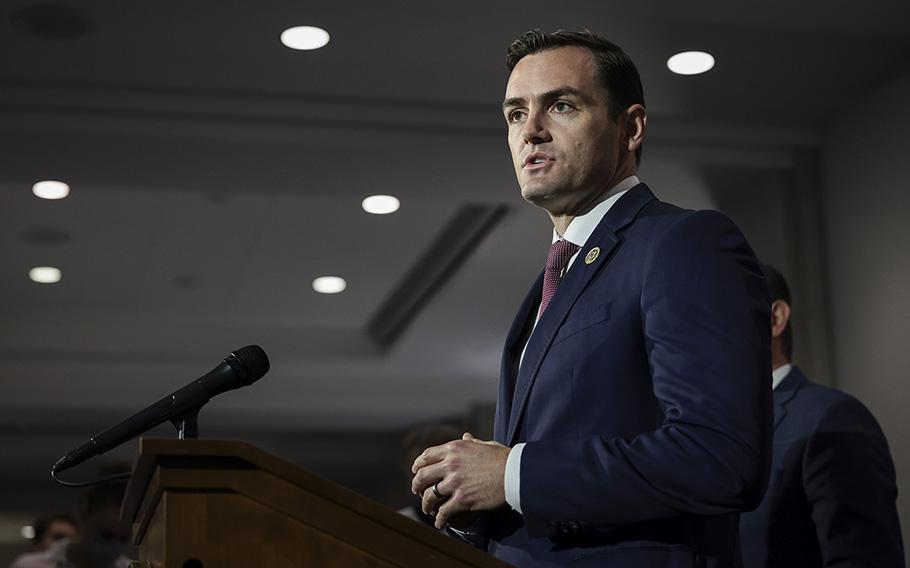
691 62
27 532
49 189
329 284
381 204
305 37
45 274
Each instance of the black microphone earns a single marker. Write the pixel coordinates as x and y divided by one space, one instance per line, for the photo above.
239 369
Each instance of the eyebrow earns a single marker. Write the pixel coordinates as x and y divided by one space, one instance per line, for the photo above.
548 96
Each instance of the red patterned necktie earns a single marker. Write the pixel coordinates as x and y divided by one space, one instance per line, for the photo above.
557 259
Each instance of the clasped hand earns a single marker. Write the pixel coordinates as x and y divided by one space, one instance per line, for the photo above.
468 474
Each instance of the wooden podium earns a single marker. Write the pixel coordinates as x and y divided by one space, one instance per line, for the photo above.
221 504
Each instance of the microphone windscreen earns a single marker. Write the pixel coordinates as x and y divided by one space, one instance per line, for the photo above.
253 362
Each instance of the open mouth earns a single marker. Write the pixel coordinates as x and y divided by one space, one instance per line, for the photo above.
536 160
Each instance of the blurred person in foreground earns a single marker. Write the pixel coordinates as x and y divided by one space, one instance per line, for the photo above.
52 528
48 530
831 498
101 538
633 422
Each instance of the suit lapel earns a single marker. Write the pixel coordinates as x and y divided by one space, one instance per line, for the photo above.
573 284
785 392
511 354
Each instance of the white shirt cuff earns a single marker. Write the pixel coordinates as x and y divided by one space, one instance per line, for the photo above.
512 480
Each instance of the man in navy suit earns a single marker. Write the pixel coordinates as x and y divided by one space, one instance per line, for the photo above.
831 498
634 414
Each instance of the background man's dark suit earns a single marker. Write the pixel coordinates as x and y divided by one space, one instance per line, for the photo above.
831 497
644 397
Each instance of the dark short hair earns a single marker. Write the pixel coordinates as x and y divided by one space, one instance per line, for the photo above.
618 73
777 285
44 522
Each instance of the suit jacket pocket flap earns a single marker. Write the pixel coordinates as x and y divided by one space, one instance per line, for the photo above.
581 318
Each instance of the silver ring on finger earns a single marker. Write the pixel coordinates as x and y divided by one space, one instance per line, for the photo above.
436 491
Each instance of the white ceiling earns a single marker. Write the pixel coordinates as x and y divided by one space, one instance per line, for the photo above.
215 173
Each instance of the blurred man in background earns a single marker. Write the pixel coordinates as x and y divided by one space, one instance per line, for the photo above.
831 499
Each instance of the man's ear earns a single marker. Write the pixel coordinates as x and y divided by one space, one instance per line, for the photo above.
636 123
780 316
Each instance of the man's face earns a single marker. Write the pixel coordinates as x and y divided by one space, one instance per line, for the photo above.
565 147
58 530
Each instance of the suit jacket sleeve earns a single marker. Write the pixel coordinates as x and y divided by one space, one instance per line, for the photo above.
849 481
706 324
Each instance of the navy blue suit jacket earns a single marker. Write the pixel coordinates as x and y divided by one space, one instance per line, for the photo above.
831 497
644 397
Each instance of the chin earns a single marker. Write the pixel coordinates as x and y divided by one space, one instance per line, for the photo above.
535 197
534 190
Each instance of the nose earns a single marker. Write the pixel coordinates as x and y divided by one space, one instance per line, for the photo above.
534 130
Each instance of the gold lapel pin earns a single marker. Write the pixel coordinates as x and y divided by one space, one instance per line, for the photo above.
592 255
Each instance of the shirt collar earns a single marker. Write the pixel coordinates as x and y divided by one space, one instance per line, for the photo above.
779 374
581 227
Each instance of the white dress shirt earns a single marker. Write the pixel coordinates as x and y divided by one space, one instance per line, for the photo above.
779 374
578 232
